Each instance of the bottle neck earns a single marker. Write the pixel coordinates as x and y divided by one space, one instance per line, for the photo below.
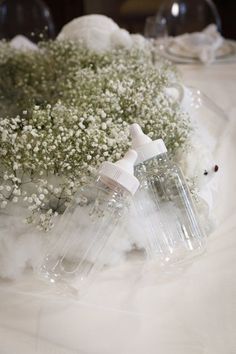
160 158
111 186
150 150
156 164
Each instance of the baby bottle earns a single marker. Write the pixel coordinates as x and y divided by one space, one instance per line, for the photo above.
164 203
89 221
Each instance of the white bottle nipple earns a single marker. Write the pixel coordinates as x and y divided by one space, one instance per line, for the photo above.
127 162
145 146
121 172
138 136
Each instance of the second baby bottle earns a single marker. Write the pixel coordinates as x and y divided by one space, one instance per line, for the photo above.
89 222
164 203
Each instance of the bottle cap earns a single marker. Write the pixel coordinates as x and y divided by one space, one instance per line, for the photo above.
122 172
144 146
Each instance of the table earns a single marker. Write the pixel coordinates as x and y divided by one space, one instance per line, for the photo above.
194 312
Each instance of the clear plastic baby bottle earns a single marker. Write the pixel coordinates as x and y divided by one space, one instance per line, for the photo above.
89 222
164 203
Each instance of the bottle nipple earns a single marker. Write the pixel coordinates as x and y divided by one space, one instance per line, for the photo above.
138 136
127 162
121 172
145 146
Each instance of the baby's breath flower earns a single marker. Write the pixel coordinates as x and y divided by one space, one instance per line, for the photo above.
3 204
65 110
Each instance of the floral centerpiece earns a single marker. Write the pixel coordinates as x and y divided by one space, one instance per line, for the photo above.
65 108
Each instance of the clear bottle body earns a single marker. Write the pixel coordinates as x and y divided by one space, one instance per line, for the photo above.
171 224
83 232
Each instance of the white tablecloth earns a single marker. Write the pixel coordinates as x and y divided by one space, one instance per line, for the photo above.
193 312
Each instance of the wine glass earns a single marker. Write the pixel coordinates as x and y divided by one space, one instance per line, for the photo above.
155 27
189 15
30 18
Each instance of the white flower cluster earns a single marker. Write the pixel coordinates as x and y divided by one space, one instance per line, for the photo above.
69 111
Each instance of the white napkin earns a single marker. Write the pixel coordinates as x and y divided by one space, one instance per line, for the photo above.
203 44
